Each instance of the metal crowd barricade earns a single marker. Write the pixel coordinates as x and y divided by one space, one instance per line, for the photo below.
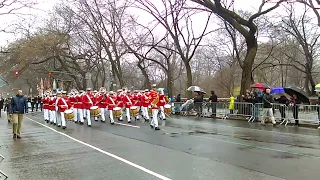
214 109
240 109
2 173
307 114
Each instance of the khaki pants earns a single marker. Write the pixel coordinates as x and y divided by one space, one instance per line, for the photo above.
17 123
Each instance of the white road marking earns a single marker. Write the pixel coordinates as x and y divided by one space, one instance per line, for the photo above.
106 153
127 125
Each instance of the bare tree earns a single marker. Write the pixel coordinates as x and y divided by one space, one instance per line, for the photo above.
177 22
246 27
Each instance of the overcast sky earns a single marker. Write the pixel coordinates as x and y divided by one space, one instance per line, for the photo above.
43 7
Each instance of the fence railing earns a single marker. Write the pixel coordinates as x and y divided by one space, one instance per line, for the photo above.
2 173
305 114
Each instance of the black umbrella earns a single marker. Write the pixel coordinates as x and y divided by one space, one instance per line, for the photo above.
301 95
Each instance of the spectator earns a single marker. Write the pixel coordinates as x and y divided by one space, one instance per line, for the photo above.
213 99
295 101
177 104
198 100
231 104
19 107
8 109
178 99
1 104
284 102
267 101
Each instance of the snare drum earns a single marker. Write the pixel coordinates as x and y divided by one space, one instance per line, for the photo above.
117 113
134 111
167 109
68 115
150 110
94 110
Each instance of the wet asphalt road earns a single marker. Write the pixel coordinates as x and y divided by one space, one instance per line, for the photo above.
186 148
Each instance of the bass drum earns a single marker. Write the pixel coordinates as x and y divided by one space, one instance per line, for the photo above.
134 111
117 113
167 109
68 115
94 110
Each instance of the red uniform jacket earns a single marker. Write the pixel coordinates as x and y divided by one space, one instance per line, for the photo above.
68 101
87 101
145 101
154 99
111 102
71 101
136 100
62 104
101 101
163 100
78 104
120 100
52 103
45 102
127 100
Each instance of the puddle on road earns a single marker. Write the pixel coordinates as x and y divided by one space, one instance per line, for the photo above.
283 155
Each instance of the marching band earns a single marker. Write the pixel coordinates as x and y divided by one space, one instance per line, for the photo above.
79 106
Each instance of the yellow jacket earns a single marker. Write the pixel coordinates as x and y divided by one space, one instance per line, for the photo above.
231 105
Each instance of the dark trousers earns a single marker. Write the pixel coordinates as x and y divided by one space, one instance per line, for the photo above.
198 107
282 110
214 108
296 114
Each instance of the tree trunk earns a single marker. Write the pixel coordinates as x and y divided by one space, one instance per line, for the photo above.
189 77
147 83
246 78
169 83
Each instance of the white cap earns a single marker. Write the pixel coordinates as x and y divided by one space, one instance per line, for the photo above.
88 89
95 91
153 85
64 92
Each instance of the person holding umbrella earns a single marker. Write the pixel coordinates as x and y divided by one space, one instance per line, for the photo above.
295 103
198 100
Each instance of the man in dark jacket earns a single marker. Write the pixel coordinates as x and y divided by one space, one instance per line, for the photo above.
19 106
213 99
267 101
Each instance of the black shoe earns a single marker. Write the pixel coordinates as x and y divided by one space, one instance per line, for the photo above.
14 136
76 122
51 122
164 119
64 127
89 125
146 120
129 122
59 125
151 126
54 123
112 123
156 128
8 121
103 121
18 137
96 120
